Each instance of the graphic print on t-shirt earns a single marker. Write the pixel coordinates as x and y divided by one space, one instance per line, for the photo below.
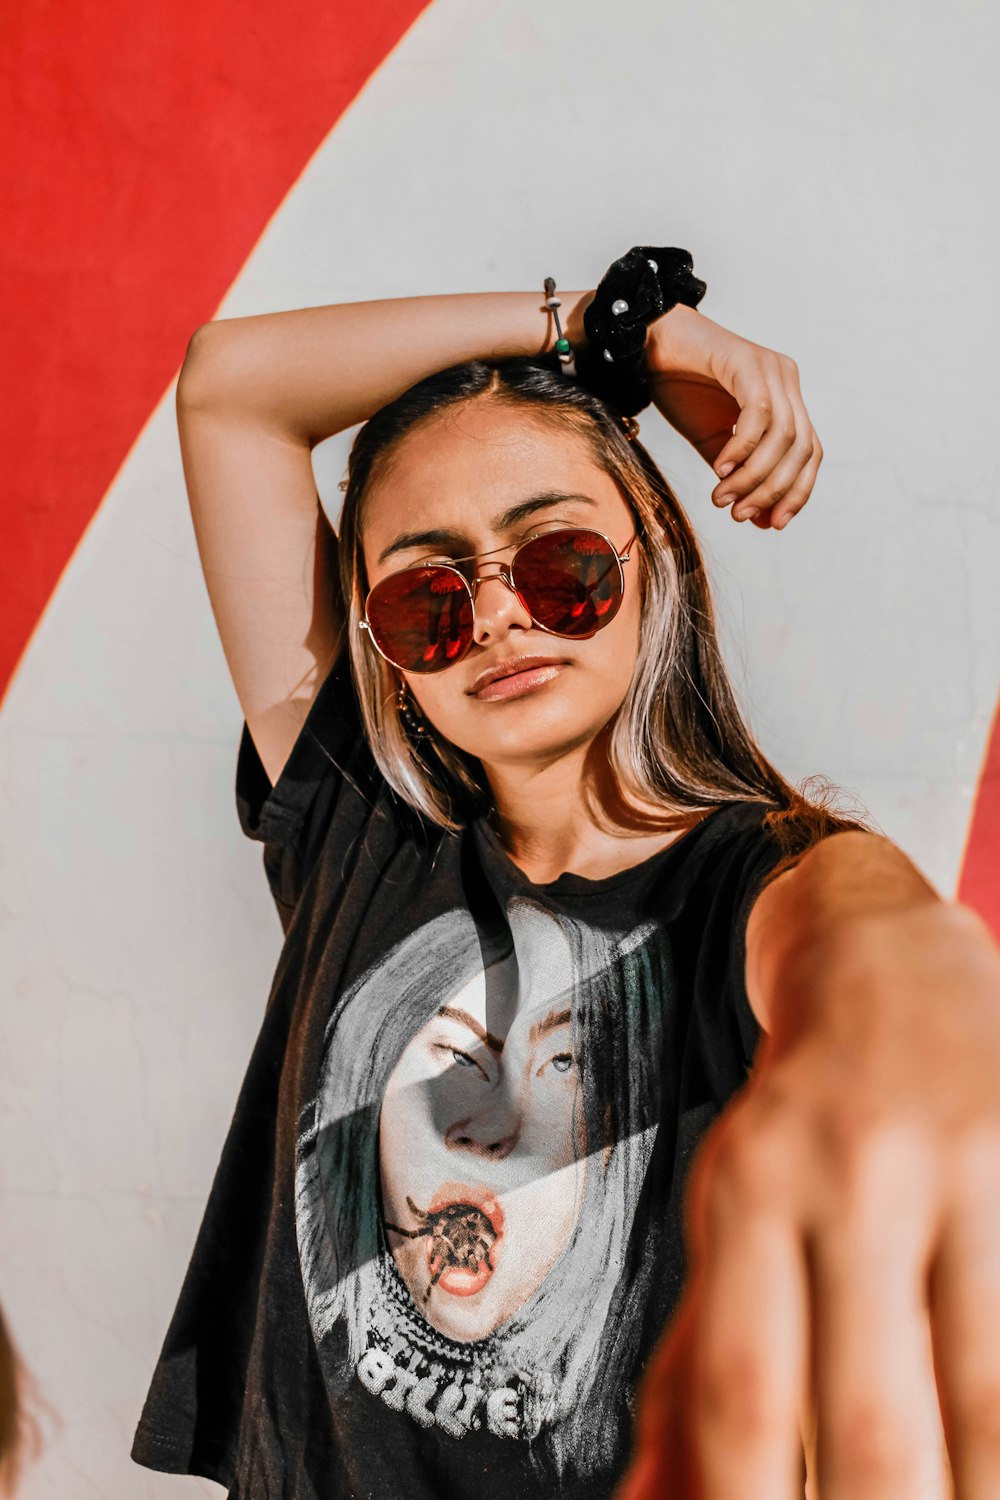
469 1172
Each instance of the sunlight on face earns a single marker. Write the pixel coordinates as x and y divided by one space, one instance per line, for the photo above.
453 482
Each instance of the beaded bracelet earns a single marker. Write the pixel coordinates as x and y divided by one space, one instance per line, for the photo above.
562 344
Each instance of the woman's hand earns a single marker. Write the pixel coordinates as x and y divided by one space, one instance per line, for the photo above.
843 1223
704 380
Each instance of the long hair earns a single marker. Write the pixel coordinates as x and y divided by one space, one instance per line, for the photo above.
619 995
679 739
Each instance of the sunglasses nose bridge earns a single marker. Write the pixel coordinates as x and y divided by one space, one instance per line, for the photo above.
483 615
501 571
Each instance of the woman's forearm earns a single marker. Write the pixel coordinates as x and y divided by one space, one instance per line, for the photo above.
317 370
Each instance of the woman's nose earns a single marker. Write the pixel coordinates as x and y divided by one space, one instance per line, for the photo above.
497 608
491 1131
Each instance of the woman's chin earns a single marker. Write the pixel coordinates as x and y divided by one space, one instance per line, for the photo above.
465 1312
467 1303
535 743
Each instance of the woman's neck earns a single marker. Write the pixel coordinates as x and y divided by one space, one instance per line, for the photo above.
565 816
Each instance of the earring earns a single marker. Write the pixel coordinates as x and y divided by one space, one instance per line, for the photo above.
413 722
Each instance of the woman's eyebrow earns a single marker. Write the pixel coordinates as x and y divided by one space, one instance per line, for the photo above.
444 537
550 1022
455 1013
535 503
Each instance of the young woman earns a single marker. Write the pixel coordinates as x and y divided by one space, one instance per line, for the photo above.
541 894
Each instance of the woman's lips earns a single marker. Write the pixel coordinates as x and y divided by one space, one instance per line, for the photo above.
464 1251
517 683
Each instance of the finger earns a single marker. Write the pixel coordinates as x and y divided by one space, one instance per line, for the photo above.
661 1456
664 1459
797 495
778 438
776 486
802 488
965 1326
642 1481
879 1430
754 399
784 492
756 407
769 383
786 474
778 517
749 1381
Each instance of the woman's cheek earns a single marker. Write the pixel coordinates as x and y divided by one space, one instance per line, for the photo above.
408 1105
557 1110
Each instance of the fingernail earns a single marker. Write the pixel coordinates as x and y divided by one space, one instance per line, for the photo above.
725 469
724 499
748 514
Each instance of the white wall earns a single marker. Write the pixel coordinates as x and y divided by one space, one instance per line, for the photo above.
828 166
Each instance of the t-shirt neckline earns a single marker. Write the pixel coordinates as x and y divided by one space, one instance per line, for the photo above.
569 883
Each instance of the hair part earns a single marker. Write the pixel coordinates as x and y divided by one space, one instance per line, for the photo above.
679 739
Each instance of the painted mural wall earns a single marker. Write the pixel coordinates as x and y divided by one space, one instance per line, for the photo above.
172 163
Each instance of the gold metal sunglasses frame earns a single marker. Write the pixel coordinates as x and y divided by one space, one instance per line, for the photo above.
504 573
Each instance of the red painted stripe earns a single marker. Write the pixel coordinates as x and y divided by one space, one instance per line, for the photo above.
979 882
146 147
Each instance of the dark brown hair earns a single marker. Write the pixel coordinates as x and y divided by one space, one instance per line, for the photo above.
679 738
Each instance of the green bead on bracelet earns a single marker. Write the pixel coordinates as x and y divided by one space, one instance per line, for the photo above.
563 347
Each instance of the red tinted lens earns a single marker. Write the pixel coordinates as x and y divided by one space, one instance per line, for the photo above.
421 618
570 581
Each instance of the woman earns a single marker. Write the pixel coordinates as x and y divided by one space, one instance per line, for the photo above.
541 893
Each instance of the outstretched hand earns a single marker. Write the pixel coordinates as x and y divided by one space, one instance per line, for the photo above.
740 406
843 1227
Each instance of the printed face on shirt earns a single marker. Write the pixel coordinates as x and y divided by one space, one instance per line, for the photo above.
481 477
482 1148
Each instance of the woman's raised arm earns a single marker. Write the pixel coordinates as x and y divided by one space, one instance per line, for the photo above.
255 395
316 370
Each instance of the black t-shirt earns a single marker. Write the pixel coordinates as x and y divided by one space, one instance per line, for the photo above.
444 1233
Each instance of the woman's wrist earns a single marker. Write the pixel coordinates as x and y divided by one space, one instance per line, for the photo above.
574 305
682 342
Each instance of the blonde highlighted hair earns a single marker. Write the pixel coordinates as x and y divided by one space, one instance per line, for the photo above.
679 738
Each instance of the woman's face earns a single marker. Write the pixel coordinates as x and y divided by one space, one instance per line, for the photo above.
482 1143
480 477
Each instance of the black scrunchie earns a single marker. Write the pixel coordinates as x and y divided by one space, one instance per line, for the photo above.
649 280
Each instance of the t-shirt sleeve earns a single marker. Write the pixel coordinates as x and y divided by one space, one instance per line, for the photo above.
756 866
326 790
741 856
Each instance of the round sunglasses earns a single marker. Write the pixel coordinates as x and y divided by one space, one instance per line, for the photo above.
422 619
